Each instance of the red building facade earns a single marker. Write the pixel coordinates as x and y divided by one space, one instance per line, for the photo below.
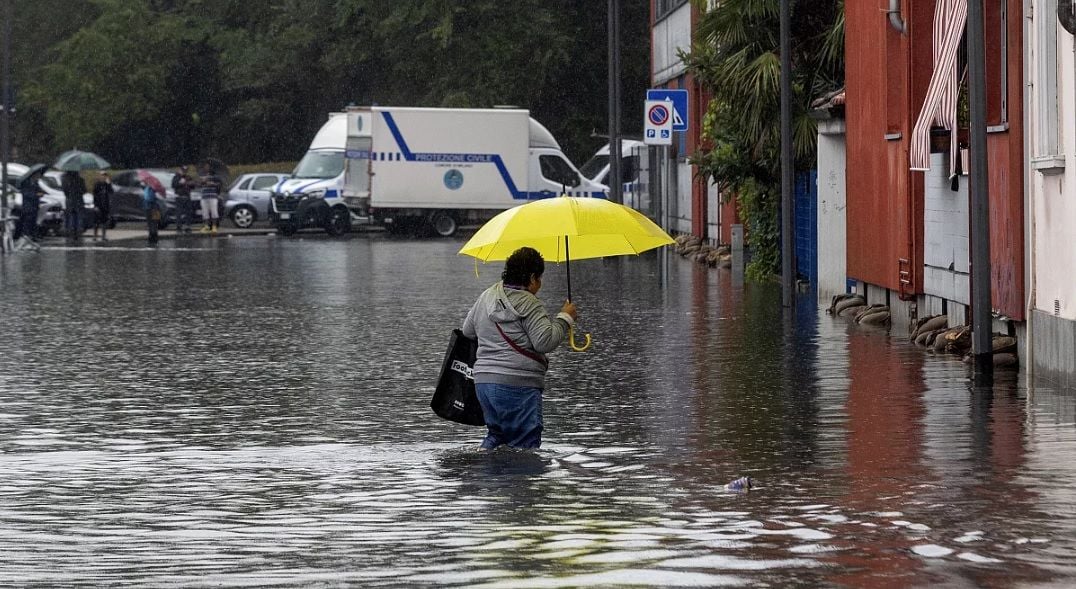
887 74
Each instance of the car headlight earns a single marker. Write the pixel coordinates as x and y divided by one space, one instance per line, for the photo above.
320 193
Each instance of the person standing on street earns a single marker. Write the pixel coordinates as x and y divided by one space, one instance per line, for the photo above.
181 185
74 187
153 211
211 187
31 205
514 334
102 202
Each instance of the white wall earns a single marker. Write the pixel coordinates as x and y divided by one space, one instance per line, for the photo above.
683 197
946 262
713 212
1053 176
669 35
832 216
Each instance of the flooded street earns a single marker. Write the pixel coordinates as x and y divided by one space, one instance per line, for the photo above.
255 412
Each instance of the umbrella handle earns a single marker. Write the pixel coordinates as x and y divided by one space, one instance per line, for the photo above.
575 346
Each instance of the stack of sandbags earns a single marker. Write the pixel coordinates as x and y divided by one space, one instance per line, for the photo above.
847 304
955 340
874 315
927 328
702 255
719 256
1004 351
687 245
693 248
1004 348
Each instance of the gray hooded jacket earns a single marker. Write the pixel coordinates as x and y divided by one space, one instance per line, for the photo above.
524 320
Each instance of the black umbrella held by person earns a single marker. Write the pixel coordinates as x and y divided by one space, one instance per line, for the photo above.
31 176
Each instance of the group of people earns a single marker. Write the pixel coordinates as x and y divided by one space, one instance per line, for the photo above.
183 185
74 187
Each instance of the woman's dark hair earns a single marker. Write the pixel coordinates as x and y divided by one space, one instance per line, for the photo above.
521 264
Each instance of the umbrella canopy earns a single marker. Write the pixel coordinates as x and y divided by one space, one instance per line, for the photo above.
566 228
34 170
152 181
76 161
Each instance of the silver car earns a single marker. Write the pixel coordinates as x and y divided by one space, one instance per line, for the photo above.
247 200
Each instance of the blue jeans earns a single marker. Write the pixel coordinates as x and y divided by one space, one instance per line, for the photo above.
73 222
513 415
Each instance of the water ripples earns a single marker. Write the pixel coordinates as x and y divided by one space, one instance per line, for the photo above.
257 415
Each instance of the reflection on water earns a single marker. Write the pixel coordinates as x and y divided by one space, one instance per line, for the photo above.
254 412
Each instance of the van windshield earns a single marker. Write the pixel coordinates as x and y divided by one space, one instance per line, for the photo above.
320 164
592 168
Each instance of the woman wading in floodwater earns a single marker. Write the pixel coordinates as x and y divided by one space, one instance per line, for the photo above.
514 334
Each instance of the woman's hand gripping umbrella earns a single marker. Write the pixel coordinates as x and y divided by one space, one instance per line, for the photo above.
566 228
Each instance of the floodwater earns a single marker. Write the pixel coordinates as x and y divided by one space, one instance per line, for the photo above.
255 412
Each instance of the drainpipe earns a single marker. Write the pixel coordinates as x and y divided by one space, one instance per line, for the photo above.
895 19
1029 206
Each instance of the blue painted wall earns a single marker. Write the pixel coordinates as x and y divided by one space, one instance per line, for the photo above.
805 198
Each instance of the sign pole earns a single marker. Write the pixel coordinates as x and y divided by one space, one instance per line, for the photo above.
787 161
981 308
5 128
615 188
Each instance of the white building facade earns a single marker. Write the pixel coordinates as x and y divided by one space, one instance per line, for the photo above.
1051 190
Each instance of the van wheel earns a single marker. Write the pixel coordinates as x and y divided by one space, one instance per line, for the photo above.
339 221
444 224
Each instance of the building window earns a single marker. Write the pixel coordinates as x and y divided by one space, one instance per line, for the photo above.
1047 142
996 16
558 171
664 7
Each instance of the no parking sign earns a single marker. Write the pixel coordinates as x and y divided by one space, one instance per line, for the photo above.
657 123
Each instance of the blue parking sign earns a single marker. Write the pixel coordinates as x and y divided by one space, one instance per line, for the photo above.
679 105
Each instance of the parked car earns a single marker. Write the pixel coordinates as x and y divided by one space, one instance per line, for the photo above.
247 199
14 171
126 201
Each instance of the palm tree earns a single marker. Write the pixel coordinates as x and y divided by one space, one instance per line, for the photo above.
736 56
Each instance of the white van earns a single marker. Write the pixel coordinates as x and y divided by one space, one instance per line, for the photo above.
633 162
418 169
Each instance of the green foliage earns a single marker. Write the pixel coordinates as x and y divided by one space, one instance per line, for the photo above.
80 100
147 82
736 56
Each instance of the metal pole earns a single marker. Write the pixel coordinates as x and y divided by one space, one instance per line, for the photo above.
615 187
787 268
5 127
981 308
568 267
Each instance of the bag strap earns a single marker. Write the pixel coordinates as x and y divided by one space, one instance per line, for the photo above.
516 347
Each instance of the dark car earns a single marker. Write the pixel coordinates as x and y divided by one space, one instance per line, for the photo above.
126 201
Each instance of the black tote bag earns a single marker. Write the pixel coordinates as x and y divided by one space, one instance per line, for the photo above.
455 398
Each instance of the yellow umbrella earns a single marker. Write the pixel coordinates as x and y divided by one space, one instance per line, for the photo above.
567 228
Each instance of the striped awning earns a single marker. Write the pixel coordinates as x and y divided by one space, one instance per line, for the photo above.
939 106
